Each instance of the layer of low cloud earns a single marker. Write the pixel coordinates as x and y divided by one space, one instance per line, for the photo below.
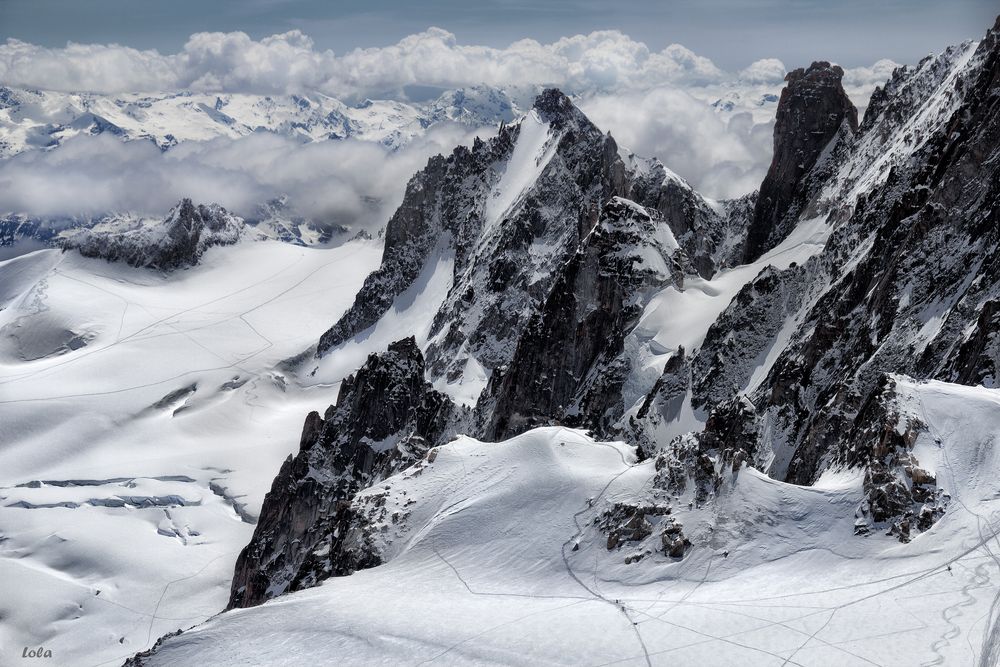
350 182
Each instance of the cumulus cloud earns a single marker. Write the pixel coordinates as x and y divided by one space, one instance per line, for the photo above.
860 82
767 70
348 182
721 155
289 62
875 75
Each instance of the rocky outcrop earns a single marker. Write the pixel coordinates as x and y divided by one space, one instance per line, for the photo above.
908 302
647 428
713 239
790 378
386 417
177 241
738 342
511 212
977 359
812 109
900 496
569 363
905 284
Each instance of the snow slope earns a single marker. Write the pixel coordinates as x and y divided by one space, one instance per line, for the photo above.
142 419
679 318
532 152
484 566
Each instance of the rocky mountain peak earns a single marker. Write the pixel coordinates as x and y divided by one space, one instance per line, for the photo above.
556 108
812 109
386 417
168 243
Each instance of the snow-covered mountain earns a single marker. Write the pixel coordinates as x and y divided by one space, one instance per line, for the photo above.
36 119
566 410
175 240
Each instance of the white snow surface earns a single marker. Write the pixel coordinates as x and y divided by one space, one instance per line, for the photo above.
681 317
532 151
675 318
483 569
126 464
411 314
143 416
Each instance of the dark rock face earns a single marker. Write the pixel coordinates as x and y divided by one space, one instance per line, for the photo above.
977 360
895 102
744 333
509 239
33 232
899 495
704 462
178 241
569 363
811 111
663 404
905 284
710 240
413 231
793 372
936 230
386 417
446 209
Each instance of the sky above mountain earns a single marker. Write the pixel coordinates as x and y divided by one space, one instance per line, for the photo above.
733 33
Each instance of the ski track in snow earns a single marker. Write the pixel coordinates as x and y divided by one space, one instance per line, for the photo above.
162 557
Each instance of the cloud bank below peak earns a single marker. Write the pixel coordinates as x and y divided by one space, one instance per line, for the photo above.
233 62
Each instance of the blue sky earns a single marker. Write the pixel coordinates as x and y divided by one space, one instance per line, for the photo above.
732 33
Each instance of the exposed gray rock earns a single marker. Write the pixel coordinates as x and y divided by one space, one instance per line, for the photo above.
544 297
569 364
385 418
812 109
908 298
739 340
175 242
507 262
899 494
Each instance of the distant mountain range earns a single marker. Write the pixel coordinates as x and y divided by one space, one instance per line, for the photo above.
35 119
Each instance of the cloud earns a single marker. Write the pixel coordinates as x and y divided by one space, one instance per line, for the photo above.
350 182
767 70
289 62
721 155
860 82
875 75
85 67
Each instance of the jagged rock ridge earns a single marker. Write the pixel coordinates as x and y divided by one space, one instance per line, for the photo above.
179 240
512 212
792 374
386 418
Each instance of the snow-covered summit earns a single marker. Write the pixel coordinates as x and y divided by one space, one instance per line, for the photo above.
36 119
